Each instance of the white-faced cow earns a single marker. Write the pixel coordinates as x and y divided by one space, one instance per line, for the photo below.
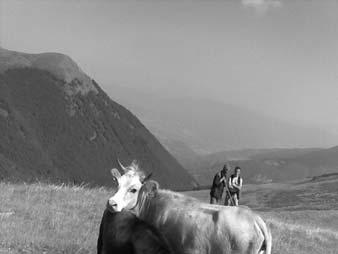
190 226
124 233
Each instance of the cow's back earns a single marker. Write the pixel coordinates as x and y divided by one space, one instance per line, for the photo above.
194 227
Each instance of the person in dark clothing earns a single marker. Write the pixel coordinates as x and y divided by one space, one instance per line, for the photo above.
234 187
218 185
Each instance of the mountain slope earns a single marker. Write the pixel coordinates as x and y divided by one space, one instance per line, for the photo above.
187 157
58 124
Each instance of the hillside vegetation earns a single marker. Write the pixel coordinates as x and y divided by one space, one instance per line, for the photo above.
41 218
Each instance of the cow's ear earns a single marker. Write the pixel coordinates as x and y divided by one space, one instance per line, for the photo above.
151 188
146 178
115 173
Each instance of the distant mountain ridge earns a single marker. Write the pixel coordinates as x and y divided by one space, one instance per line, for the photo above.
60 65
58 124
209 126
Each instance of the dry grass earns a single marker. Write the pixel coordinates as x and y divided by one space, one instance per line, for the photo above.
49 218
303 232
41 218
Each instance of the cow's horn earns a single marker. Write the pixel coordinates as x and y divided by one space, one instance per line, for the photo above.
121 166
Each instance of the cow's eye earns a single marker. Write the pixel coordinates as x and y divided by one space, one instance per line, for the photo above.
132 190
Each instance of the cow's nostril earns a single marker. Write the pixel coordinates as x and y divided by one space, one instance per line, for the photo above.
112 204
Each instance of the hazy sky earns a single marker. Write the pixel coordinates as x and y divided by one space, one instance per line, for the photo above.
279 57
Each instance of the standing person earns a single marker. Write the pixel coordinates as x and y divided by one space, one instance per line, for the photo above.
235 185
218 185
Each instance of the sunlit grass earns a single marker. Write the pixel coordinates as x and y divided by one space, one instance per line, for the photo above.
303 231
42 218
49 218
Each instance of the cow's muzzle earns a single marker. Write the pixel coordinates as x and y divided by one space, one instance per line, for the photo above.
111 206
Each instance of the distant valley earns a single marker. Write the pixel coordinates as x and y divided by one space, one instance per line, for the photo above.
208 126
203 134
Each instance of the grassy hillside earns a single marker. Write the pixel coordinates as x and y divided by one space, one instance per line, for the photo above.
269 165
317 193
41 218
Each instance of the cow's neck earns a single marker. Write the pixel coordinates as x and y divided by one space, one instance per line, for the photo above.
151 206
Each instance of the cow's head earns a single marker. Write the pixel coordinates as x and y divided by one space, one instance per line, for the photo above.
129 185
